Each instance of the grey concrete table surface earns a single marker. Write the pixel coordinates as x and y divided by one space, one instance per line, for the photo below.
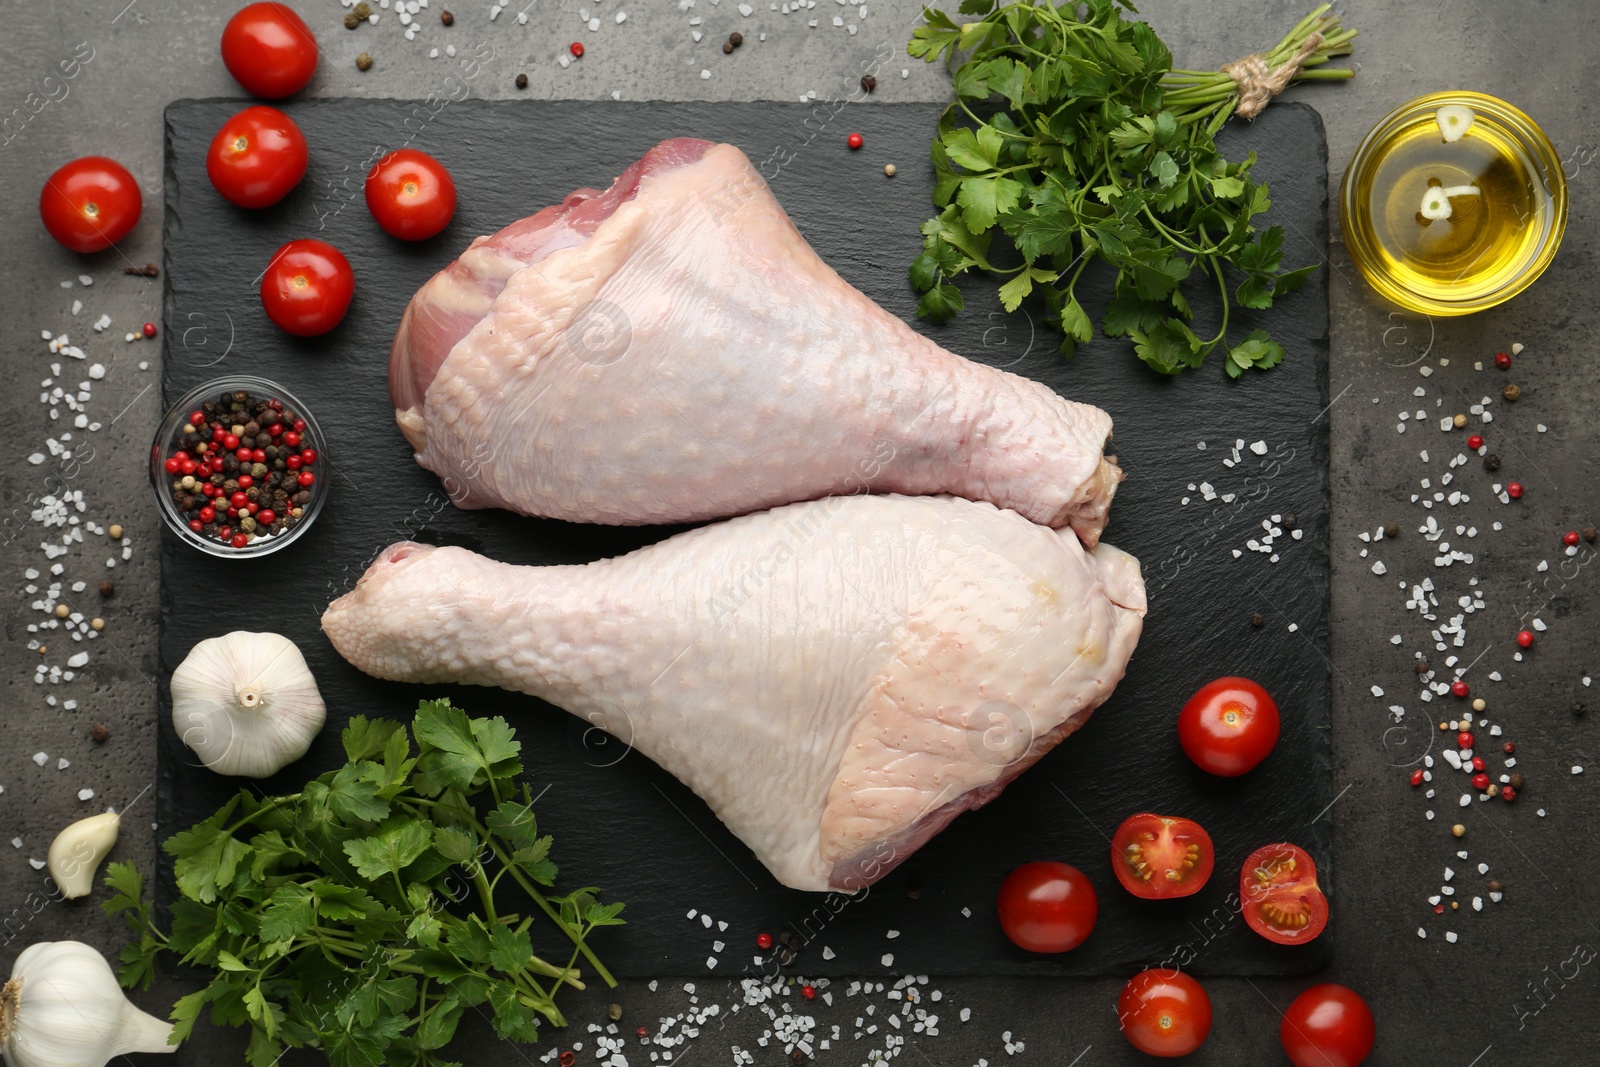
1517 987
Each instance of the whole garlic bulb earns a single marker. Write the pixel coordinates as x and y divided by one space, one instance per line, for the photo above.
246 703
63 1008
76 852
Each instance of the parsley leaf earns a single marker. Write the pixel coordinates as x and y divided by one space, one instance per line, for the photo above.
390 851
461 753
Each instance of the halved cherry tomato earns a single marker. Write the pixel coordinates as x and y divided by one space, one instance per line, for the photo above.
1047 907
307 288
1327 1026
1156 857
1164 1013
411 195
1229 726
257 157
269 50
1281 899
90 204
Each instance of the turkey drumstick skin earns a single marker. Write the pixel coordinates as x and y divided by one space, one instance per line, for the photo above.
672 350
837 679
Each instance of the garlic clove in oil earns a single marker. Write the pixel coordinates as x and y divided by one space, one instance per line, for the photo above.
63 1008
1454 121
76 853
246 703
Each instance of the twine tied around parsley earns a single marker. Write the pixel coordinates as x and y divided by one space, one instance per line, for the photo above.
1259 83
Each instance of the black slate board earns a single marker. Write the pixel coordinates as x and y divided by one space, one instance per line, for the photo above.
619 821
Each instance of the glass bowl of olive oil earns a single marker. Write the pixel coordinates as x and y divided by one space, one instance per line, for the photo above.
1454 203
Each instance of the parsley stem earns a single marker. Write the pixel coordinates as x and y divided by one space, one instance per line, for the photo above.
1222 287
1176 241
527 885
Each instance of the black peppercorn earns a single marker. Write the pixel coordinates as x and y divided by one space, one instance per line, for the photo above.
447 18
364 61
1578 708
1422 666
363 10
736 38
100 734
1290 521
868 83
1494 886
1391 529
1590 533
1257 620
351 20
1517 781
520 81
798 1058
107 589
727 47
1491 462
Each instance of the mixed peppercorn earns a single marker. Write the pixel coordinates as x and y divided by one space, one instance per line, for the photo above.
242 469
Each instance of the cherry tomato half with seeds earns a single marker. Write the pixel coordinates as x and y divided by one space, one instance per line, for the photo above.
1282 901
1164 1013
1157 858
1047 907
411 194
1328 1025
257 157
90 204
307 288
1229 726
269 50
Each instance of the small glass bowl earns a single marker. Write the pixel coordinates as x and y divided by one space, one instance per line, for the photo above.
1540 160
171 429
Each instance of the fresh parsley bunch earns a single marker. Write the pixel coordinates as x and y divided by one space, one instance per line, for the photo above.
361 916
1073 136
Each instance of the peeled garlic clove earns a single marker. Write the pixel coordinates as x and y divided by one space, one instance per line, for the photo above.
1454 121
246 703
63 1008
76 852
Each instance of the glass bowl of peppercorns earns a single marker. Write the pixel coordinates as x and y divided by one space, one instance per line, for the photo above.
237 467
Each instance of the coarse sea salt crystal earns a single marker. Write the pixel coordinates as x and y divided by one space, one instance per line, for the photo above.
86 794
41 758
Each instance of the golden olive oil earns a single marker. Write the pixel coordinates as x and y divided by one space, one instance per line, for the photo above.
1452 226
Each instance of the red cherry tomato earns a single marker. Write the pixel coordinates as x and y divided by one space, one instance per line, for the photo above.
1327 1026
411 195
1164 1013
1156 857
269 50
307 287
90 204
1282 901
1229 726
257 157
1047 907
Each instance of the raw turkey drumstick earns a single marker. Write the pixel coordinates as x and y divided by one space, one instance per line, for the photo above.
672 350
837 679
